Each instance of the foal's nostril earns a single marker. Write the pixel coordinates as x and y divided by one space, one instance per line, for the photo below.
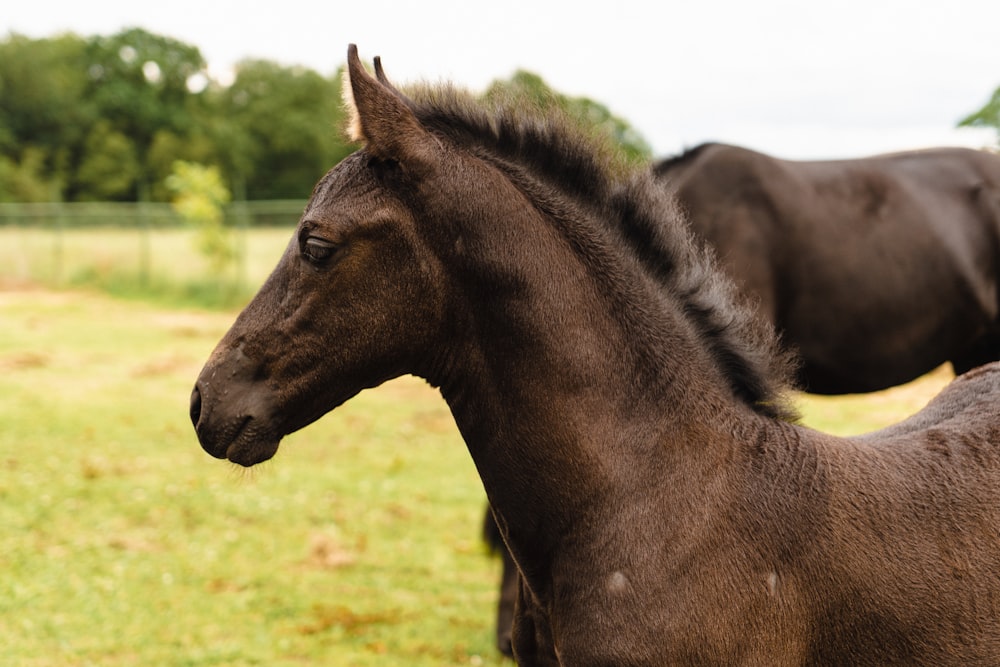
195 406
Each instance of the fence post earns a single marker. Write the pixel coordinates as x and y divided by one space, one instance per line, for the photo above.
57 245
242 214
145 251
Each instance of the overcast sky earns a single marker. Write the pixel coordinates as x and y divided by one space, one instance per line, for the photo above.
796 79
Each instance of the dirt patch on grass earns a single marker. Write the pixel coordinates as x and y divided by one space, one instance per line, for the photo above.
351 622
20 361
327 552
166 365
193 324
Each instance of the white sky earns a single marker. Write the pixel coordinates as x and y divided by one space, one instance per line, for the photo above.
795 78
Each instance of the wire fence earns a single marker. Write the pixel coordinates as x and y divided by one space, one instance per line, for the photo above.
134 247
141 214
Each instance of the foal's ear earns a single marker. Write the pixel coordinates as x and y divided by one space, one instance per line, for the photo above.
382 78
380 116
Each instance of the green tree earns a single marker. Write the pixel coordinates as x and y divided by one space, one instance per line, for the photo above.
26 180
44 117
200 197
988 116
285 123
167 148
109 167
531 87
139 83
107 117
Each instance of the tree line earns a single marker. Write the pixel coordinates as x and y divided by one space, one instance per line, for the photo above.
109 118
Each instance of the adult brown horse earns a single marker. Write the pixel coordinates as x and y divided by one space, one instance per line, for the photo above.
874 270
623 413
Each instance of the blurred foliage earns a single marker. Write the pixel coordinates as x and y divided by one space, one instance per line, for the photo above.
589 113
200 197
107 117
43 115
988 116
26 180
285 128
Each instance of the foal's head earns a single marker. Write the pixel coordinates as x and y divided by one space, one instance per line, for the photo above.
435 212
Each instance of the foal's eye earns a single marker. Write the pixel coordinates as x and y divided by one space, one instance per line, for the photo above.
317 251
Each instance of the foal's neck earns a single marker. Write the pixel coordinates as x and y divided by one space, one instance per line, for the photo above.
564 406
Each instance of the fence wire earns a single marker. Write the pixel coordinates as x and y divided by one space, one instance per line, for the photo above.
134 245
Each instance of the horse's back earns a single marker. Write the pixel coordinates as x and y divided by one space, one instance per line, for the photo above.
864 202
856 260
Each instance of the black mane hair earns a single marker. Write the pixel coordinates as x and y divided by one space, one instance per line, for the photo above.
560 154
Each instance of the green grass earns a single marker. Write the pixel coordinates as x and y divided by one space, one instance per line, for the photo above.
122 543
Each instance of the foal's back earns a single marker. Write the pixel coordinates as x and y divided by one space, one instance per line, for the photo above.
908 543
970 404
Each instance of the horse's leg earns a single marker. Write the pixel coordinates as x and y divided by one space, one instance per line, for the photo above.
505 606
508 584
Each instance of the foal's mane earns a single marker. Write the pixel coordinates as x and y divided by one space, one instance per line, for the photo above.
556 151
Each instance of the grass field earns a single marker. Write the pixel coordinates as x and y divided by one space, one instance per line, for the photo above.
122 543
